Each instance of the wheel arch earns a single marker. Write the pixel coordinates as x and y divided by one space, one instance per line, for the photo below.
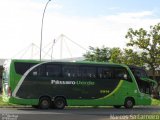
45 96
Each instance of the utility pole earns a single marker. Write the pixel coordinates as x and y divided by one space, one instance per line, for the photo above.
42 30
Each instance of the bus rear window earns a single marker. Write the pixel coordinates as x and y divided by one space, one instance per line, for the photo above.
21 67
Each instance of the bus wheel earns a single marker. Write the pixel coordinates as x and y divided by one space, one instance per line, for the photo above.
129 103
44 103
117 106
59 103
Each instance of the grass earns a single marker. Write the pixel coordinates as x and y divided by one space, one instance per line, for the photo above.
155 102
4 104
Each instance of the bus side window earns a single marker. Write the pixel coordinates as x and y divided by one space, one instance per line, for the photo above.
88 72
38 71
105 73
70 71
122 73
34 72
53 70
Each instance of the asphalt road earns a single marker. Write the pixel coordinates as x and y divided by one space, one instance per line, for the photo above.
80 113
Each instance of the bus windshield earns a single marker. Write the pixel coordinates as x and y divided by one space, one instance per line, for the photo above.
145 84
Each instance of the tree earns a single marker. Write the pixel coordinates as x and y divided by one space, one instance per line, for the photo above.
148 43
104 54
129 57
125 56
98 54
116 55
113 55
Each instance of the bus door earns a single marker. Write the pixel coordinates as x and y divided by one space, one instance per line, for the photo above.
121 74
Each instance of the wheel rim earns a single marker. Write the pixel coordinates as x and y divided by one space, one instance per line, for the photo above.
129 103
59 103
45 104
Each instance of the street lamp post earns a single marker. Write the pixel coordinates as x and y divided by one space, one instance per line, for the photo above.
42 30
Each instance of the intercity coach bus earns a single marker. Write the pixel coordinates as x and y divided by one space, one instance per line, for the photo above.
58 84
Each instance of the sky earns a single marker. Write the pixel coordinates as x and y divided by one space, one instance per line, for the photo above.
70 26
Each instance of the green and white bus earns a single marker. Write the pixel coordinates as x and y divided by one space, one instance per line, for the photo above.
54 84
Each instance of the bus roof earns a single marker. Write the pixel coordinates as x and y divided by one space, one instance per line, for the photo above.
58 61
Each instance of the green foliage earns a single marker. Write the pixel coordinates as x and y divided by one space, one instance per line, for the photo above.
116 55
4 103
113 55
98 54
130 57
143 49
155 102
148 43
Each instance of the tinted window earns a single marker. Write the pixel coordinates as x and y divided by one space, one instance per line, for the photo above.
38 71
71 71
53 70
105 73
88 72
21 67
122 73
139 73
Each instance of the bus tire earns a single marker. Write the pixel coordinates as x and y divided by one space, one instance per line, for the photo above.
59 103
117 106
129 103
44 103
